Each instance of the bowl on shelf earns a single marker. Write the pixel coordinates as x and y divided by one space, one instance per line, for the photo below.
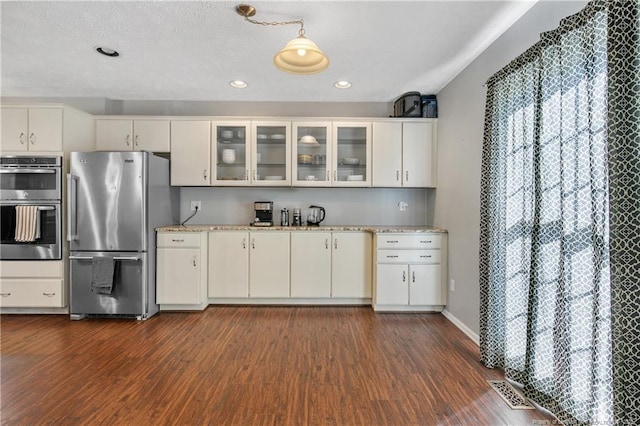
228 156
304 158
278 137
355 177
308 140
349 161
226 134
262 137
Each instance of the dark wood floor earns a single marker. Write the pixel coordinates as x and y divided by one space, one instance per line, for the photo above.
248 366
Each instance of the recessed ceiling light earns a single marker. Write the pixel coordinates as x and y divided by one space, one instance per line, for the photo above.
238 84
106 51
342 84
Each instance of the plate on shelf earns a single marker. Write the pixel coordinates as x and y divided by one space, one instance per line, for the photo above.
350 161
355 177
225 142
262 137
274 178
278 137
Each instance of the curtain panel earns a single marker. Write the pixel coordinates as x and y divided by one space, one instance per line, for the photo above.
560 198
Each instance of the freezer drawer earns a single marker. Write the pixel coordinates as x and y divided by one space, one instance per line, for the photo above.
129 296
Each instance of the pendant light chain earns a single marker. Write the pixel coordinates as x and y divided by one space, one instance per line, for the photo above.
273 23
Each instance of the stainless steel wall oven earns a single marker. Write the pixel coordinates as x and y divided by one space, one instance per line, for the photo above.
30 208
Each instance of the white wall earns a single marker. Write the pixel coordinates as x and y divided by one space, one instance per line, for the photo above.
344 206
460 133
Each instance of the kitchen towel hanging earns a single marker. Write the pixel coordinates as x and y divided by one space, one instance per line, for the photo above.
102 274
27 223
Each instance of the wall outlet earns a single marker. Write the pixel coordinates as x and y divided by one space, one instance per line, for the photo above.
196 204
403 205
453 285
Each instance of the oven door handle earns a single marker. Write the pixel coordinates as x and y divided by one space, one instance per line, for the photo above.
30 171
72 204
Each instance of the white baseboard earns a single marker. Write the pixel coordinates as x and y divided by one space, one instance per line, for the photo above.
466 330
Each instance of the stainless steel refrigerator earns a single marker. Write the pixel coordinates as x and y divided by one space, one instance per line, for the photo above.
115 200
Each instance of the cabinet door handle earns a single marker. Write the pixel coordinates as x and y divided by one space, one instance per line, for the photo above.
406 175
246 174
335 243
413 276
48 294
137 144
392 241
127 140
326 244
177 240
32 138
392 256
425 242
335 175
204 174
404 276
21 138
244 243
5 294
253 243
328 175
397 175
194 261
424 256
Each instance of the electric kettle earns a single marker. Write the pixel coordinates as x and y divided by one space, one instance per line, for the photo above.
315 216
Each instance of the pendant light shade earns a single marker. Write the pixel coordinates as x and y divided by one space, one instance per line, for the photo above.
301 56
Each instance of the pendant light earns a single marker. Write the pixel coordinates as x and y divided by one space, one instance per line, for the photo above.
300 55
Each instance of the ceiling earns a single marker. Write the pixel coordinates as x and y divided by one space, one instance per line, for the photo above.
187 50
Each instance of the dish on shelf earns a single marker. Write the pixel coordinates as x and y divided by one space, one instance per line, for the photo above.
226 134
274 178
304 158
262 137
355 177
308 140
349 161
278 137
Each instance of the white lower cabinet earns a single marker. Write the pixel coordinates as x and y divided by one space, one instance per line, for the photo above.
311 264
351 265
181 277
269 264
229 264
410 272
36 284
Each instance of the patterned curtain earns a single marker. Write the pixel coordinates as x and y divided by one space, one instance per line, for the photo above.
560 218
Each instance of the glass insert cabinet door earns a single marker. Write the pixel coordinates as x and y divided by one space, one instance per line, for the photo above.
231 153
271 153
352 154
311 154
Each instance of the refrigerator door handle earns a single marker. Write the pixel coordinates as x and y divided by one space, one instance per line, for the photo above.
135 258
72 204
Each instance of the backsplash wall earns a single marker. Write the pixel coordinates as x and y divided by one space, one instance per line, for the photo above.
344 206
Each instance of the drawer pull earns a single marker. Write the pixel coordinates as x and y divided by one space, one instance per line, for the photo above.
392 241
244 243
48 294
413 276
177 240
404 276
425 256
425 242
392 256
5 294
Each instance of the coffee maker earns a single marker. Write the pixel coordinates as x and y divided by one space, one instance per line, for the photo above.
264 213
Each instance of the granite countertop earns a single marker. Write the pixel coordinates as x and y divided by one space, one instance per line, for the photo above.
357 228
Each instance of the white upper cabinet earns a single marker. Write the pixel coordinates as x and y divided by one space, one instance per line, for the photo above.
351 161
190 153
311 153
271 153
31 129
231 153
404 154
133 135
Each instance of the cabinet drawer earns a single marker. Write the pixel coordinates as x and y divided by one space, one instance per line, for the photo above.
409 241
177 239
24 293
31 269
408 256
